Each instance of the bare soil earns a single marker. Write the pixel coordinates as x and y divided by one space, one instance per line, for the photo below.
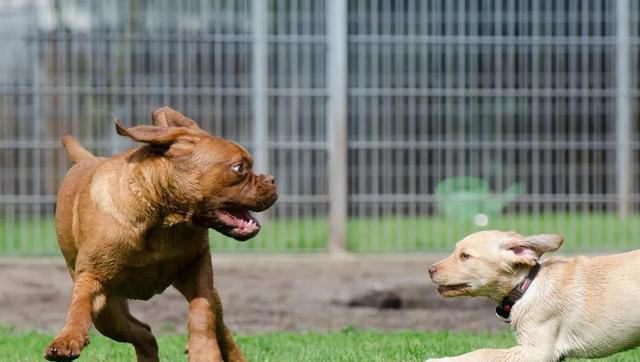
268 293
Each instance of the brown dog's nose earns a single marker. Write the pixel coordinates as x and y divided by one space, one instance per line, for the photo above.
269 179
432 271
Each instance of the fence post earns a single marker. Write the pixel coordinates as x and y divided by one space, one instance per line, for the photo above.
623 109
336 72
260 84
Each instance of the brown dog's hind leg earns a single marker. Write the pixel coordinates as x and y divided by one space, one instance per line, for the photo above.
115 322
230 350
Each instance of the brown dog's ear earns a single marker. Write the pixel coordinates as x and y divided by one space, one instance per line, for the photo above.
168 117
528 249
153 135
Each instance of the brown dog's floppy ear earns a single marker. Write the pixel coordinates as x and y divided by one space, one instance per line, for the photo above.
168 117
528 249
153 135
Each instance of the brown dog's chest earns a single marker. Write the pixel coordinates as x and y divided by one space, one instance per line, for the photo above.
149 271
144 282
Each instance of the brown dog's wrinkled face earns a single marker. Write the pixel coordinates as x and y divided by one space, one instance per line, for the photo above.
489 263
231 189
214 174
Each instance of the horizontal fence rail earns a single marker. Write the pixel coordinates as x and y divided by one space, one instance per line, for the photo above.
390 126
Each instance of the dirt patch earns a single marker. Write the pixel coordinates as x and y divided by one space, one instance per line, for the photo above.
268 293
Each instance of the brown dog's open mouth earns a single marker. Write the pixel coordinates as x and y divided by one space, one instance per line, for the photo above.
241 224
231 221
452 288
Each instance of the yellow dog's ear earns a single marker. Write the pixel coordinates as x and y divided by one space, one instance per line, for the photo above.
528 249
153 135
168 117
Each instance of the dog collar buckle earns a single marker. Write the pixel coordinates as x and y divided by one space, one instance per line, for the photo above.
503 319
502 315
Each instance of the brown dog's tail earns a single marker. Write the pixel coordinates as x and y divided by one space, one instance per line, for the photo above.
75 151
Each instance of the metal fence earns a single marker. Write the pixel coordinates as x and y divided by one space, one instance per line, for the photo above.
396 125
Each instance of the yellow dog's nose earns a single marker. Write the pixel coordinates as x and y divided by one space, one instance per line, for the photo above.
432 271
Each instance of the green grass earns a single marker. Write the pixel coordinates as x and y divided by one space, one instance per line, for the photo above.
583 232
346 345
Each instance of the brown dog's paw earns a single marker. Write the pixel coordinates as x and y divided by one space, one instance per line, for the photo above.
65 348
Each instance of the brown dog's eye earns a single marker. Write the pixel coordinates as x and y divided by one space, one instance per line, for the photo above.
464 256
239 168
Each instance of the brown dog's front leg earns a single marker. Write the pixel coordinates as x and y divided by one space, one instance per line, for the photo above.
209 339
87 299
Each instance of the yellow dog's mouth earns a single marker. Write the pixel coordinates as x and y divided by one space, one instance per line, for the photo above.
453 290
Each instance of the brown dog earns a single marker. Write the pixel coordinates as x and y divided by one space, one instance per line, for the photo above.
133 224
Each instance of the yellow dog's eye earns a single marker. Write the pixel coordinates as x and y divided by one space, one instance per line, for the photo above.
464 256
239 168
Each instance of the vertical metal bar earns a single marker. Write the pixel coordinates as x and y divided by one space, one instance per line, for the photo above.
413 82
386 120
280 107
623 108
37 245
360 106
586 152
260 72
375 115
497 16
294 102
599 154
337 123
23 175
306 117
